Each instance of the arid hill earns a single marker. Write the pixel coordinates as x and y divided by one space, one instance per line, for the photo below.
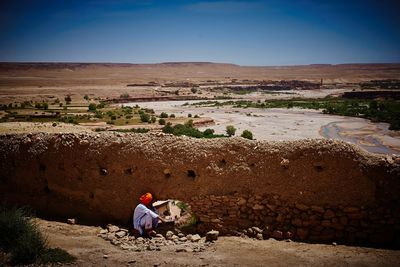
58 74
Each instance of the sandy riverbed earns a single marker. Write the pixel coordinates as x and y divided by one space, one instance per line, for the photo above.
290 124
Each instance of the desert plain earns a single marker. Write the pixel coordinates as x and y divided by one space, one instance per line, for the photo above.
274 103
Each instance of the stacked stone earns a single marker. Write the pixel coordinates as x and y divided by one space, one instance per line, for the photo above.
284 220
177 240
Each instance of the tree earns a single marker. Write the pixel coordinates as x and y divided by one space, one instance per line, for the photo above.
68 99
92 107
209 132
172 116
86 97
247 134
189 123
163 115
168 128
45 106
153 119
189 115
161 121
194 90
144 117
125 95
230 130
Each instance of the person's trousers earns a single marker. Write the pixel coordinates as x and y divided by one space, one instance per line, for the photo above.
147 222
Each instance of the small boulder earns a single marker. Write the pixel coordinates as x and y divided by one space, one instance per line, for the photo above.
169 234
301 207
242 201
120 234
212 235
257 230
112 228
277 235
329 214
71 221
103 231
196 238
258 207
318 209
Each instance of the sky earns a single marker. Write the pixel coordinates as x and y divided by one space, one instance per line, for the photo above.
261 33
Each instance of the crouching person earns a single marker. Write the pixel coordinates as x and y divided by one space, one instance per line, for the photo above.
145 217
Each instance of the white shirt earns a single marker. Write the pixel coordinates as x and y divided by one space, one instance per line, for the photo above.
141 211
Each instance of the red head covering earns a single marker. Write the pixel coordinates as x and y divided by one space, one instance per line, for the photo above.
146 199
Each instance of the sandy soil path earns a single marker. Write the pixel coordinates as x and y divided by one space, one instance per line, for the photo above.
83 242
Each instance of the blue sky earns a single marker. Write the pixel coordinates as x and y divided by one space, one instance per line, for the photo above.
242 32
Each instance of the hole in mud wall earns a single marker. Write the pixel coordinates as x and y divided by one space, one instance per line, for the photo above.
222 162
42 167
318 168
191 174
128 171
91 195
103 171
167 173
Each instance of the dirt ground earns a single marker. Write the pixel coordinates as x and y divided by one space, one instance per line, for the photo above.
90 250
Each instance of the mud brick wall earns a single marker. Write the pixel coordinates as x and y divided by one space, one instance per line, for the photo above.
314 190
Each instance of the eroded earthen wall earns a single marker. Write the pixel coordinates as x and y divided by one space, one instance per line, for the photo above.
310 190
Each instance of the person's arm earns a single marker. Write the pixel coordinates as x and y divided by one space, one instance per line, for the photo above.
155 215
161 218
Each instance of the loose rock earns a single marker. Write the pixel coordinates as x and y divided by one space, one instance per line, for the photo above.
71 221
212 235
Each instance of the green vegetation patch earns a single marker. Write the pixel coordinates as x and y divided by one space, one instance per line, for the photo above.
188 130
23 242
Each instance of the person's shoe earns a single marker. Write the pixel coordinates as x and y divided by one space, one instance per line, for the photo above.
152 233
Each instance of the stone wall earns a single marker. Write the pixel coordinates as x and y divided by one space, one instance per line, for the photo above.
280 219
315 190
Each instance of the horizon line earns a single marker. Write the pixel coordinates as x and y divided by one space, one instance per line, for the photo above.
195 62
